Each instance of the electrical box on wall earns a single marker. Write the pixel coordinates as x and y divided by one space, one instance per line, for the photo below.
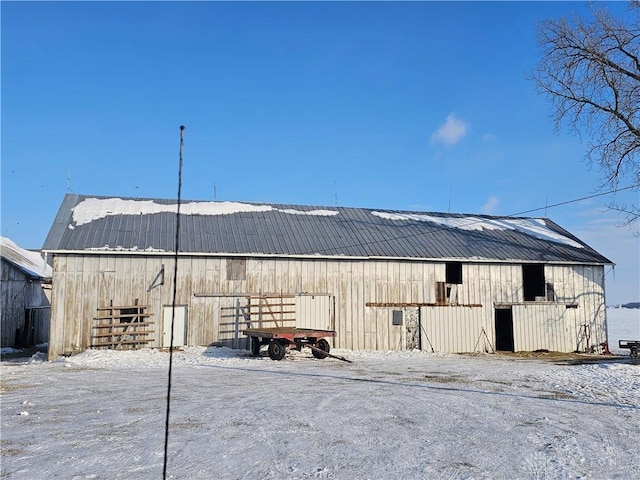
396 319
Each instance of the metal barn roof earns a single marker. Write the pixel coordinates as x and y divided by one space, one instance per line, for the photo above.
137 225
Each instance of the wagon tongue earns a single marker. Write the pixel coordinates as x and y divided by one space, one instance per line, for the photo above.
327 354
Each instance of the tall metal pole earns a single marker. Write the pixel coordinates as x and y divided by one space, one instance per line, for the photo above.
173 307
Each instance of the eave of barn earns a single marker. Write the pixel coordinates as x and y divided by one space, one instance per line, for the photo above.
470 260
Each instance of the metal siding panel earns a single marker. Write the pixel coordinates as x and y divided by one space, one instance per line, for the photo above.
117 231
452 329
60 225
167 232
541 326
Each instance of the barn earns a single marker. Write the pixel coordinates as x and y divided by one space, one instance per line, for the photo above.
24 288
383 279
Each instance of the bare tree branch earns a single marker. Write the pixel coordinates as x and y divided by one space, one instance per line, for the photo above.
590 71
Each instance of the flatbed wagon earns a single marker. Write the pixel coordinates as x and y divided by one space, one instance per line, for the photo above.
632 345
279 339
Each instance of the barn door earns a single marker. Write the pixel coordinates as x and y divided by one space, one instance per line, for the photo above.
179 326
314 311
504 329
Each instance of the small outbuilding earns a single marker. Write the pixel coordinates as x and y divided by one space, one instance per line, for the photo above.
24 288
382 279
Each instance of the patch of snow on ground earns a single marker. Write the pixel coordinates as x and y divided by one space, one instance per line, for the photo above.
386 415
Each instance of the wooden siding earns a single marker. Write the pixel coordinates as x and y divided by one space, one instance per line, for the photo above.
82 283
314 311
23 305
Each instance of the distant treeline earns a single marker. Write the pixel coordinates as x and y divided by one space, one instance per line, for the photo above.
628 305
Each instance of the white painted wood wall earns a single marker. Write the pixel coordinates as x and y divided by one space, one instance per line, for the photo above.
82 283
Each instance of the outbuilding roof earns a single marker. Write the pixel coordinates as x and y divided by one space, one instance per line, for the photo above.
30 263
147 226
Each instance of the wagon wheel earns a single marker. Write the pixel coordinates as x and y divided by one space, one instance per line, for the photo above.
255 346
276 350
321 345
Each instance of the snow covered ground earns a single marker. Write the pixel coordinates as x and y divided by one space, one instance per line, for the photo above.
101 415
387 415
622 324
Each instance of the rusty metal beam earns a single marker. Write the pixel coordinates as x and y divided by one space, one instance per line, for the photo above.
421 304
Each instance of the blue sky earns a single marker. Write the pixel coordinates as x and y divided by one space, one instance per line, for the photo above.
396 105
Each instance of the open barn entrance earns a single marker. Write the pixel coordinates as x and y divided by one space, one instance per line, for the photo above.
504 329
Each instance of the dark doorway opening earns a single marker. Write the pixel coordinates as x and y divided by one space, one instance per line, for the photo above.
504 329
533 283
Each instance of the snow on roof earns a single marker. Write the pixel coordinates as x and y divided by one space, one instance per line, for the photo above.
29 262
321 213
92 209
535 227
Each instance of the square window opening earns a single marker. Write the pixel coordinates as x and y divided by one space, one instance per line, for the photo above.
453 273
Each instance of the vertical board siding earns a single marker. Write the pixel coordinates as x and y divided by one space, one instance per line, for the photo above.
313 311
57 320
23 309
82 283
13 303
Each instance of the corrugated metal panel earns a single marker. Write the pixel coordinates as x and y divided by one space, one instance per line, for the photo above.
542 326
60 226
453 329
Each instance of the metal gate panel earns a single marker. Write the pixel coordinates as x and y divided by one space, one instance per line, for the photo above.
233 319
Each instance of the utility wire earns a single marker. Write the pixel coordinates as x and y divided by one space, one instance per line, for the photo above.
577 200
173 309
473 222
